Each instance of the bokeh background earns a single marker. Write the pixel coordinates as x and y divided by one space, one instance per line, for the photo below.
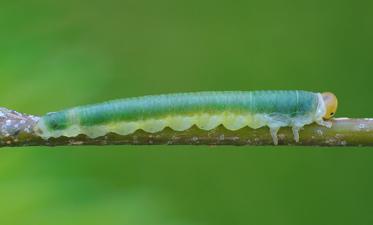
58 54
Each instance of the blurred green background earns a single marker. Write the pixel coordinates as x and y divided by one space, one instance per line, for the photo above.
58 54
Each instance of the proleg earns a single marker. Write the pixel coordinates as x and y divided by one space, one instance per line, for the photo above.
207 110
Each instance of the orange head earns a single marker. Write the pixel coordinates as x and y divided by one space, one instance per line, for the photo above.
331 104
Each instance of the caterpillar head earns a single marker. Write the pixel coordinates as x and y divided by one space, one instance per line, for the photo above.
331 104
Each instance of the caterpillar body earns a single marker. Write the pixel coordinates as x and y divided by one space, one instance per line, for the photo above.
206 110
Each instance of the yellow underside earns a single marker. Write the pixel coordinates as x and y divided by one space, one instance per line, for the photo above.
231 121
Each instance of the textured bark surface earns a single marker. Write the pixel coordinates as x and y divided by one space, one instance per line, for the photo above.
16 129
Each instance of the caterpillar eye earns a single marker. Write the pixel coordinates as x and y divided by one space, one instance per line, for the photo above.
331 104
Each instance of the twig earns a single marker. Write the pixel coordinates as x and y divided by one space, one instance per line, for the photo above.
16 129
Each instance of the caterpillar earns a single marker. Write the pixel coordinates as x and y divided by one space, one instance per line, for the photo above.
206 110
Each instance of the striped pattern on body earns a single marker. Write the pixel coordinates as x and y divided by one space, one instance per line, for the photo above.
207 110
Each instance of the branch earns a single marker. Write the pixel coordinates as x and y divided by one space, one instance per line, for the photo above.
16 129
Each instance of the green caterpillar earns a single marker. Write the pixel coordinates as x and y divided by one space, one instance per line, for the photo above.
206 110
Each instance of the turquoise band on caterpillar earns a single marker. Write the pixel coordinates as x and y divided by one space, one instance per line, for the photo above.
233 109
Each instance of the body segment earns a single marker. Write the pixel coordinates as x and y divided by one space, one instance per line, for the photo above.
207 110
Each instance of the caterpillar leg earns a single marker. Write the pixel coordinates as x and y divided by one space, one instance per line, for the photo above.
296 133
274 131
327 124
